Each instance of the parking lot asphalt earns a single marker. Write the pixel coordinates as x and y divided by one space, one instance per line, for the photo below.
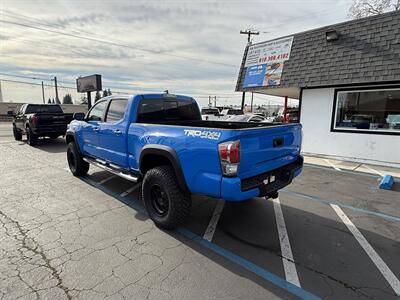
331 235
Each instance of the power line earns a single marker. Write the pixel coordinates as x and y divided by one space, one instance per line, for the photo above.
116 44
26 82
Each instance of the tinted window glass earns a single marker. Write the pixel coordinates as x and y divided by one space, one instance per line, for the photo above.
96 114
373 110
116 110
209 111
157 110
32 109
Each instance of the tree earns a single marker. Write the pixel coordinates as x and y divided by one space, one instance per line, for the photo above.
105 93
67 99
109 92
364 8
53 101
49 101
83 100
97 97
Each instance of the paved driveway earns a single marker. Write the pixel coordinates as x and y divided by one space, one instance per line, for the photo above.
332 234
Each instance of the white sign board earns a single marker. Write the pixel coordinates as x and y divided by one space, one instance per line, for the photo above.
275 51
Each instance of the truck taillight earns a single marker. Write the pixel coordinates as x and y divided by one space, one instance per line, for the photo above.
35 120
229 154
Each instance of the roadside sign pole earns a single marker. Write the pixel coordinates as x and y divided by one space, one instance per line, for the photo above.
251 107
89 100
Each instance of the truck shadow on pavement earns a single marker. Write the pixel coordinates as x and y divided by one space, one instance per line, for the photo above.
330 262
52 146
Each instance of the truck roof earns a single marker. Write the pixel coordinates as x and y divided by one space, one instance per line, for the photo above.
152 96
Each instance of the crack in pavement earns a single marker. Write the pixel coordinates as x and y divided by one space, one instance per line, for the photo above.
36 250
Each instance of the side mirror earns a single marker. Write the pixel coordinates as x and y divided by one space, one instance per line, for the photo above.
78 116
11 113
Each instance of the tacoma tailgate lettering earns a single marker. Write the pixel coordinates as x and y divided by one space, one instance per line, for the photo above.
203 134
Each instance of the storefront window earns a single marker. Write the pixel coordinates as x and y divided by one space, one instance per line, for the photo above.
368 110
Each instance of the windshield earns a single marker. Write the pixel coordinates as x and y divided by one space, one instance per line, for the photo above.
32 109
209 111
235 112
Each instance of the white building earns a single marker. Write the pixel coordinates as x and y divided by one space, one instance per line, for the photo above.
347 78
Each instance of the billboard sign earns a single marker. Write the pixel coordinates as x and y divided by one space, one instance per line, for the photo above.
90 83
265 61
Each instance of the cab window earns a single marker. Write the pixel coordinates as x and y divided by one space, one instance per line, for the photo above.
97 111
116 110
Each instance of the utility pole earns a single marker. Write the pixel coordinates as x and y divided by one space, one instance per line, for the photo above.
55 85
215 101
249 33
1 93
44 100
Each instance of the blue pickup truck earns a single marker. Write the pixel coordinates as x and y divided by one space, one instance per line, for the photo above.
161 139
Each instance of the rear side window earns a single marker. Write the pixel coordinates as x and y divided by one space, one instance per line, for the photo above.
34 108
97 111
116 110
158 110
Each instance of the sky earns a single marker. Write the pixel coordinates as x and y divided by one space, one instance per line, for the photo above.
187 47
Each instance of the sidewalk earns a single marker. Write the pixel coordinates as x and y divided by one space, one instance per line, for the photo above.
351 166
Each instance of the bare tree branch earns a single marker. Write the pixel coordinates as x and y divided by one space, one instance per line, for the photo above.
364 8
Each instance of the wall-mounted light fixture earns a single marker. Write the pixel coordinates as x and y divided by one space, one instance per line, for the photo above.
331 35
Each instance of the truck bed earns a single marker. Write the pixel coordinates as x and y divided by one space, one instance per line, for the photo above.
218 124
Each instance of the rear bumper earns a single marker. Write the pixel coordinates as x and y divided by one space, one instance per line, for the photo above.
236 189
50 130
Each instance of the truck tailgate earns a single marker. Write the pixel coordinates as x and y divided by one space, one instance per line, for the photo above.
53 119
267 148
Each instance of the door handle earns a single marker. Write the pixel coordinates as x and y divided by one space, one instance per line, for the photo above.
117 132
96 128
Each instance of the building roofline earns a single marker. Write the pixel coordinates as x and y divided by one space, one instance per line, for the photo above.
384 15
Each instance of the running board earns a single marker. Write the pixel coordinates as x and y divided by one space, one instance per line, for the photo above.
116 171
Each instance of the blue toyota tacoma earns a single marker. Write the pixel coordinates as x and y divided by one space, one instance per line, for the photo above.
160 139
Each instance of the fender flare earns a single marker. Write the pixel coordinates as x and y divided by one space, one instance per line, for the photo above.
72 134
171 155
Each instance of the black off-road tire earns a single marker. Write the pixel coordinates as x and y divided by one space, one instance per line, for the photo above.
178 208
31 138
76 164
17 134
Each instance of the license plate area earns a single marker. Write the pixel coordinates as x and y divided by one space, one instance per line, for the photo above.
271 178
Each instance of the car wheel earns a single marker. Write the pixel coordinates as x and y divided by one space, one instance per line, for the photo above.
17 134
31 137
76 164
167 205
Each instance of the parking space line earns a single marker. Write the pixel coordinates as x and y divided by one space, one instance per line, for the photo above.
373 170
107 179
376 259
329 202
352 172
128 191
286 250
332 165
208 235
244 263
